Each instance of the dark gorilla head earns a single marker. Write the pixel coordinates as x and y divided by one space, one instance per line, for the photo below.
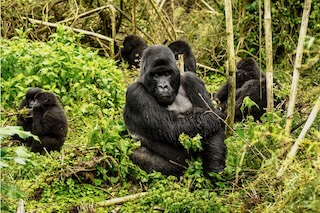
133 47
160 74
247 69
43 100
30 95
181 47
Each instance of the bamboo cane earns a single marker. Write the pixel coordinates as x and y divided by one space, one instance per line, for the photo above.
69 28
296 145
231 66
121 200
133 19
269 68
297 65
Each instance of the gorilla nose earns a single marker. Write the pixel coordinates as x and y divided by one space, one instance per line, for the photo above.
163 88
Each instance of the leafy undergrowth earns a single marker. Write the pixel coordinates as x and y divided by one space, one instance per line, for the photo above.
94 166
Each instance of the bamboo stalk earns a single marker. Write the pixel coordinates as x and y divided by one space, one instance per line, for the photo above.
82 15
209 7
269 68
121 200
161 19
181 63
113 27
260 47
205 67
231 67
129 19
69 28
297 65
133 19
296 145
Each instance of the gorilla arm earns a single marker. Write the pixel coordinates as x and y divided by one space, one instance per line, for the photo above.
146 118
194 86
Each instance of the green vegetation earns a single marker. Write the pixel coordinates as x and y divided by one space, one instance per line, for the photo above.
94 166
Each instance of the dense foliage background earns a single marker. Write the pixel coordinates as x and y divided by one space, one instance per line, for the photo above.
94 166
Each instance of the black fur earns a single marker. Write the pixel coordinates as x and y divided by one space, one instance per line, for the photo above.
247 69
252 89
133 47
158 128
49 123
182 47
26 121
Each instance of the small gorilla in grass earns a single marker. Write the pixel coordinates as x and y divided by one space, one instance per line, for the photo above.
255 89
133 47
252 90
161 105
49 123
247 69
181 47
26 120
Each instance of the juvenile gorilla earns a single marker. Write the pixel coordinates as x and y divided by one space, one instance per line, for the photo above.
181 47
247 69
150 116
26 121
49 123
252 90
133 47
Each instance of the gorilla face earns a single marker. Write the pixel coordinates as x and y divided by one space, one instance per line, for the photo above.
44 100
160 75
30 95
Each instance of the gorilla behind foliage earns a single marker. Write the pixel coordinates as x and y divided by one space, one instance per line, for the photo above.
150 116
181 47
248 84
26 120
133 47
247 69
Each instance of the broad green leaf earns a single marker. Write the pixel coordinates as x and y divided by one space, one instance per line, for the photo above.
20 161
2 164
12 130
22 152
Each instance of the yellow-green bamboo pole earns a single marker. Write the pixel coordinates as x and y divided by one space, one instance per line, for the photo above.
133 17
296 145
231 66
113 27
164 24
297 65
269 68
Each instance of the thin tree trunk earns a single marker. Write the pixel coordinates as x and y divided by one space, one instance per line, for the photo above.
269 68
231 66
296 145
113 25
297 65
133 19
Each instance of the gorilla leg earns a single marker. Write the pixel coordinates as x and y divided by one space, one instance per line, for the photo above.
167 151
214 153
50 143
149 161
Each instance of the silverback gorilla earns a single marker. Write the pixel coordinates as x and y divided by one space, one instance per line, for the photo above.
150 116
181 47
49 123
133 47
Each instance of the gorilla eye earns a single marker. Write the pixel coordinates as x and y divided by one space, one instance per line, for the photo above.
155 75
167 73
